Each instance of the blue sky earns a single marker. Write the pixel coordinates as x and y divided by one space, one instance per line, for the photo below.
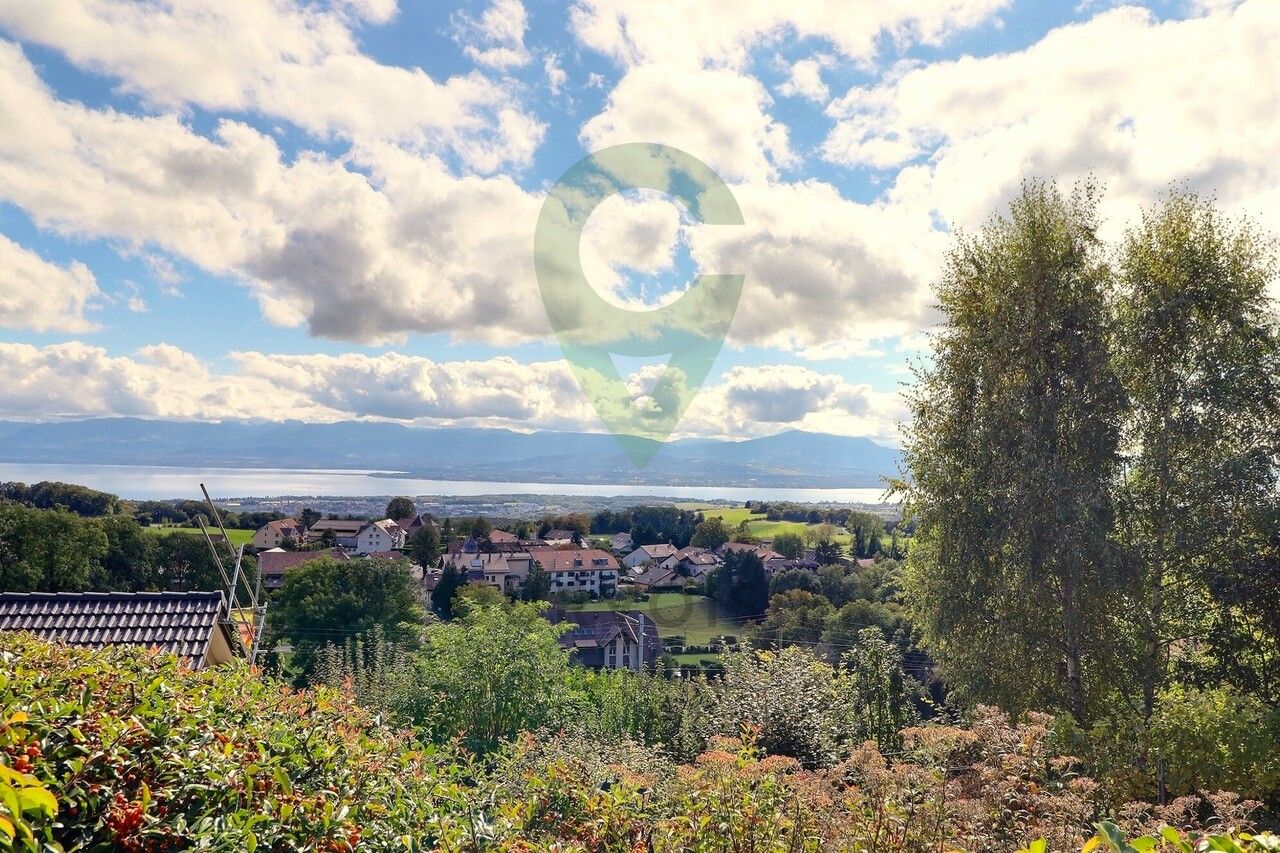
324 210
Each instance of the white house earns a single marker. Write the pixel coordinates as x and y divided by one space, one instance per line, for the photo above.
648 554
588 570
273 534
377 536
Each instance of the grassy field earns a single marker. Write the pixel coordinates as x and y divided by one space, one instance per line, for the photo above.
237 537
692 616
758 524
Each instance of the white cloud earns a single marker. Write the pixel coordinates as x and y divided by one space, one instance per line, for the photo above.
159 381
554 72
163 381
42 296
1137 102
627 235
764 399
825 276
373 11
806 79
496 38
717 115
288 60
694 33
407 247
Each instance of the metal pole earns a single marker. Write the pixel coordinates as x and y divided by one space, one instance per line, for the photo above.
225 538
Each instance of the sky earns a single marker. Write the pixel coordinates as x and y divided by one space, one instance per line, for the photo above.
323 211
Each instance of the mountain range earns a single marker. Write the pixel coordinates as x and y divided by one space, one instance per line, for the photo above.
790 459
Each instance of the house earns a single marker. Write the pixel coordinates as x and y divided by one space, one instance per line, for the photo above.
610 639
648 554
764 552
343 531
659 579
782 563
411 526
384 535
275 563
588 570
502 537
622 543
504 572
195 626
273 534
696 562
557 538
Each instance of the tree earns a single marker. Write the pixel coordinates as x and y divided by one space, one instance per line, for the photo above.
828 552
794 617
471 596
789 545
48 550
330 601
839 584
537 584
1198 351
741 583
401 508
184 562
129 563
1011 451
789 579
442 596
481 528
51 495
308 517
424 545
492 672
710 534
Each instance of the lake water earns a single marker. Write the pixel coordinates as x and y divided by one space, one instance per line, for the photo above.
142 482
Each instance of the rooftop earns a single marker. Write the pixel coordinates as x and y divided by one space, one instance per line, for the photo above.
180 623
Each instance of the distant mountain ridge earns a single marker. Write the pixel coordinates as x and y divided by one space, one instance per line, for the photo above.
790 459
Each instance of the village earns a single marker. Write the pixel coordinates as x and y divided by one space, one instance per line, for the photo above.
570 570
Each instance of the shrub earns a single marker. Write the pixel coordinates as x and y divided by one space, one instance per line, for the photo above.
143 754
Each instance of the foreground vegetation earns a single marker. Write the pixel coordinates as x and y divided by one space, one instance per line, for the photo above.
140 754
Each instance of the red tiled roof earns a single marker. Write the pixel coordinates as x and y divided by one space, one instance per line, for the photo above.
276 562
574 560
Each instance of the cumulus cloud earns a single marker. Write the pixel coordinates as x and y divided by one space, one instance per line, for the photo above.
723 32
42 296
765 399
163 381
717 115
806 81
1133 100
825 276
288 60
496 38
400 246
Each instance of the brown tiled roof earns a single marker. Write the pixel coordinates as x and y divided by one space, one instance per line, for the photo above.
580 560
496 536
340 526
276 562
181 623
285 526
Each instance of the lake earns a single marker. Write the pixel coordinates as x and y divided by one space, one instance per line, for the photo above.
143 482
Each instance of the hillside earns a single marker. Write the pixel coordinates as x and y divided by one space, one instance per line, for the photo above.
789 459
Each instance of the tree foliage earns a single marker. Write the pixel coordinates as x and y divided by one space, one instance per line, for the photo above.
1012 450
328 601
